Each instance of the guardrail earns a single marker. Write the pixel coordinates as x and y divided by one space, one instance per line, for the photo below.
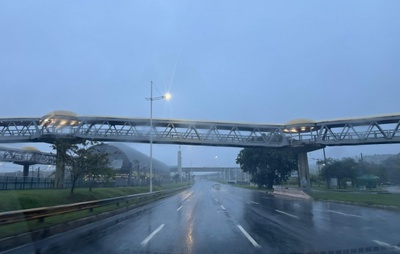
43 212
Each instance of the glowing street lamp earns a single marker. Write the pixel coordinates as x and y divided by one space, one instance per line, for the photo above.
167 96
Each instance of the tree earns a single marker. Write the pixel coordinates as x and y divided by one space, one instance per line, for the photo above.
344 170
392 169
176 177
267 166
76 164
97 166
81 161
379 170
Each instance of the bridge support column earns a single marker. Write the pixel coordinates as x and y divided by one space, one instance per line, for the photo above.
60 167
304 172
26 170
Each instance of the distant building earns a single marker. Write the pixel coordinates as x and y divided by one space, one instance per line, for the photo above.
125 159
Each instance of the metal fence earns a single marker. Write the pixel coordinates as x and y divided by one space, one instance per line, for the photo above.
27 183
24 183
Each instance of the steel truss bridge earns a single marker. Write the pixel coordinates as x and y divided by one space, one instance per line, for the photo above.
304 134
23 156
301 135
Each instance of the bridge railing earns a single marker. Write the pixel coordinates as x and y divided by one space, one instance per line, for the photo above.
358 131
360 136
44 212
196 137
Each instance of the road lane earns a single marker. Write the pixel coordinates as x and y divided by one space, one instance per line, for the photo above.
189 222
312 226
236 220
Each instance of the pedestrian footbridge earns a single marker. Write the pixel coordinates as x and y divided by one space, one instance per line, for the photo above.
301 135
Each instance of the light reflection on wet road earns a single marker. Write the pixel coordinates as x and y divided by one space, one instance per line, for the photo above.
235 220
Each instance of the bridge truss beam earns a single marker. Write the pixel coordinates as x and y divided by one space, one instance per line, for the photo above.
361 131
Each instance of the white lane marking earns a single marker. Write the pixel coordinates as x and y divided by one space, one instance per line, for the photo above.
394 247
223 208
249 237
288 214
254 202
145 241
179 208
345 214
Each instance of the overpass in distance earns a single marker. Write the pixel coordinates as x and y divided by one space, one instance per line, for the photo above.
26 156
302 135
225 173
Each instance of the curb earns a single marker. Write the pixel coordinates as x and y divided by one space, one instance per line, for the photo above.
301 194
290 192
393 208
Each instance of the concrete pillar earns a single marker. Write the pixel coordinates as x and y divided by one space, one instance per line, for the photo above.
304 172
180 163
60 167
130 174
26 170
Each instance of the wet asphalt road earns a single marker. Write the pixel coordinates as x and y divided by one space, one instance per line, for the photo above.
235 220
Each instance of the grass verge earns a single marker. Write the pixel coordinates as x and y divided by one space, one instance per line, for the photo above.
356 197
32 225
24 199
43 198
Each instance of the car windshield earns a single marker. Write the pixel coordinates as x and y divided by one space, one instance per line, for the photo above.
199 126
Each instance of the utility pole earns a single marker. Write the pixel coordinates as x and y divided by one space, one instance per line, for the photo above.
180 163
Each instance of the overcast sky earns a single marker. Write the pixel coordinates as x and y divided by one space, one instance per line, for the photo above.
247 61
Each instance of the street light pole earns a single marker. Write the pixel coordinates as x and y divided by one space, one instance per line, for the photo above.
151 99
151 136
